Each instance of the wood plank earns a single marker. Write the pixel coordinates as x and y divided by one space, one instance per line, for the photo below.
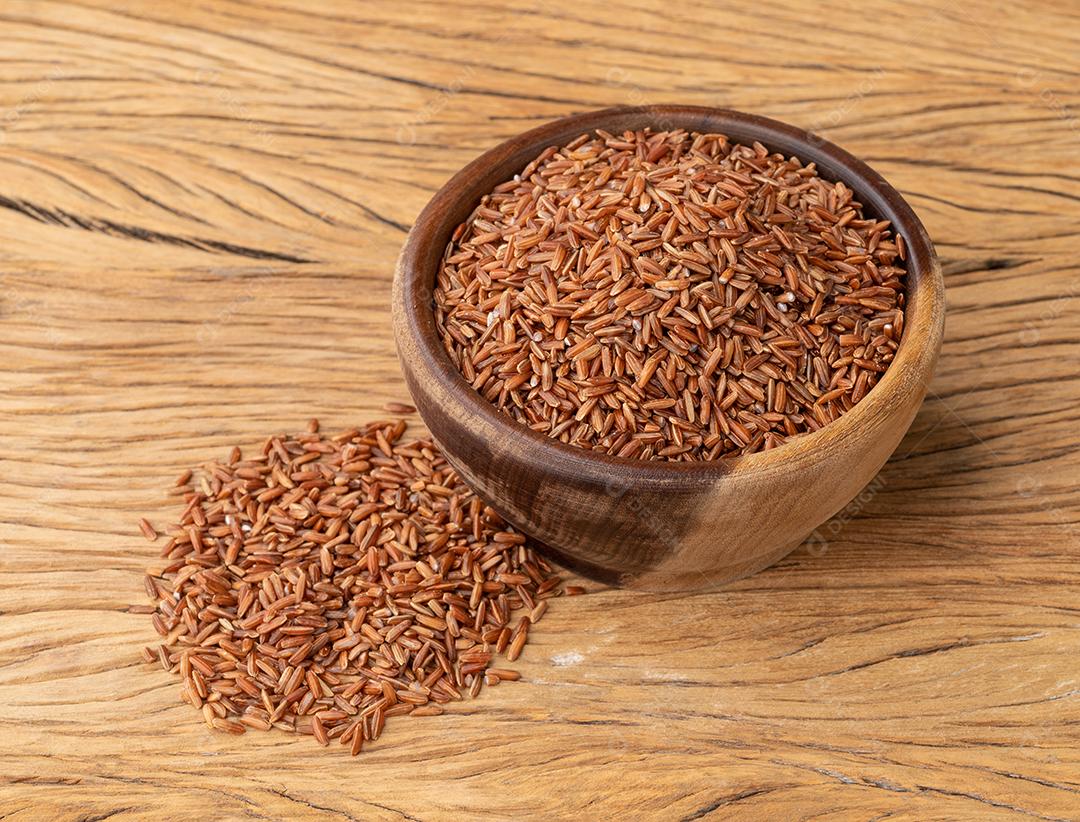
201 207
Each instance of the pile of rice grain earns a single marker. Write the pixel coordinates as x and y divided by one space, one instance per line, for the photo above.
671 295
325 585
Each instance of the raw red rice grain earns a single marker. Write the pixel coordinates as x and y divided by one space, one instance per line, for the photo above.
671 295
428 710
147 529
326 584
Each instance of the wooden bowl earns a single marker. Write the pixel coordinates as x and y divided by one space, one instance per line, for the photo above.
662 525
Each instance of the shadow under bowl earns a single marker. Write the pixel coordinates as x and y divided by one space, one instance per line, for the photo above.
649 524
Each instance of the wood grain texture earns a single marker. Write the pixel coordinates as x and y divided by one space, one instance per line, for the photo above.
200 208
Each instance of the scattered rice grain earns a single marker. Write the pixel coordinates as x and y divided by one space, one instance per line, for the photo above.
147 529
323 585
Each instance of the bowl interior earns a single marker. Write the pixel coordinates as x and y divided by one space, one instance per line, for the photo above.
924 295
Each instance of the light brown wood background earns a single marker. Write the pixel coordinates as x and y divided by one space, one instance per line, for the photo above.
200 207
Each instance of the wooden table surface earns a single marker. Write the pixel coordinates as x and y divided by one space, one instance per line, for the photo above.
200 208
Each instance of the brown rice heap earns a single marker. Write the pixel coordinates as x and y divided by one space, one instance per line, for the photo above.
671 295
327 584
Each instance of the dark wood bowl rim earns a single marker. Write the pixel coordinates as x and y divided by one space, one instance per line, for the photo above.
916 354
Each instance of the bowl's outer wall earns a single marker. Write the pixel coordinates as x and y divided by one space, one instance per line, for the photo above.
640 525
